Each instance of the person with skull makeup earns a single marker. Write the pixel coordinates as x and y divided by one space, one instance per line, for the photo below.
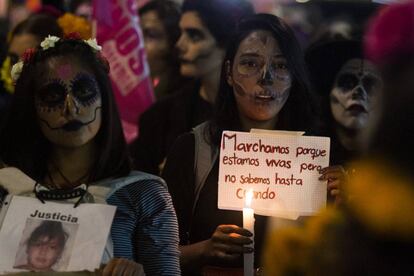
349 86
374 233
263 85
206 27
66 135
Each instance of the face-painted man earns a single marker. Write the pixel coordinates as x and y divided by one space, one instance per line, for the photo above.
199 53
260 77
354 95
68 103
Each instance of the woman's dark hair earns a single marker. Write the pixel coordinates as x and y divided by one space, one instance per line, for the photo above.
298 113
23 145
51 230
169 14
220 16
39 25
325 59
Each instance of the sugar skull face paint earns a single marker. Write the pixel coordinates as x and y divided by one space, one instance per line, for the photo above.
260 77
355 93
68 104
198 49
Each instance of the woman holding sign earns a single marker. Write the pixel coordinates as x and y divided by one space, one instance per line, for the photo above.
263 85
349 87
64 132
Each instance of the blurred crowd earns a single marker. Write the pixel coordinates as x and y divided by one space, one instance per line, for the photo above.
343 70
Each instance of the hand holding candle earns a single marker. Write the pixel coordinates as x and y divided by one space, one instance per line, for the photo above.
248 224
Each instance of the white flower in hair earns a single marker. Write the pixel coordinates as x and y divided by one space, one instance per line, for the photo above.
16 71
49 42
93 44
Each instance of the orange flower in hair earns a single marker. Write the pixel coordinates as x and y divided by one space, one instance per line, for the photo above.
71 23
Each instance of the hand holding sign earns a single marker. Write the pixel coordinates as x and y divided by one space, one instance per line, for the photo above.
227 243
335 175
282 170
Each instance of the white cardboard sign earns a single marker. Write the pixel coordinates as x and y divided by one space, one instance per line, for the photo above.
53 236
282 171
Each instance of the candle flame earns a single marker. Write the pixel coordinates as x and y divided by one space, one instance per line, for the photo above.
249 197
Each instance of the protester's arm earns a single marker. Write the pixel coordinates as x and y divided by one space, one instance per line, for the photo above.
145 227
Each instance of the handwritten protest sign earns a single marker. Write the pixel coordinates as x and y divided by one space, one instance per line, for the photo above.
282 171
53 236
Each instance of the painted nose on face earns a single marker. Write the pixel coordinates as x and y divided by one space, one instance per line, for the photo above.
359 93
71 106
267 78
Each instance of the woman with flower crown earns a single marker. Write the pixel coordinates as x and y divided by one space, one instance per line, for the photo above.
65 133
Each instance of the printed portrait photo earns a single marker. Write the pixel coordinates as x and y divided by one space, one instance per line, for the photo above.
45 245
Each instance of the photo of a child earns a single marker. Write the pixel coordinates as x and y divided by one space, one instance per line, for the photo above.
43 248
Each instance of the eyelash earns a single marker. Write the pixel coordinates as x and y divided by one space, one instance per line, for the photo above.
194 37
45 104
45 96
280 65
79 81
252 63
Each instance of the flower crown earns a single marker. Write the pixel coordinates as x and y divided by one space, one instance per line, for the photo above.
48 42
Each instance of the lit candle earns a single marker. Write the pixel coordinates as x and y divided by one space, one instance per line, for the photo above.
248 223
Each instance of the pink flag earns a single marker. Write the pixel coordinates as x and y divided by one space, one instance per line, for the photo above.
119 34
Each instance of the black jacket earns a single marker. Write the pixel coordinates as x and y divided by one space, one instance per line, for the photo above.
163 122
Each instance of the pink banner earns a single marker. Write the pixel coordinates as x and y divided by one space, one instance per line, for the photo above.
119 34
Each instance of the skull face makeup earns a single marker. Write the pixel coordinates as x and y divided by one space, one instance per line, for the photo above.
68 104
259 76
355 93
199 52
